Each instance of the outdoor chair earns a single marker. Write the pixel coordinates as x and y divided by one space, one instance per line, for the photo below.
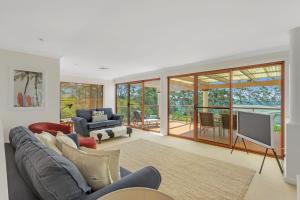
137 117
206 122
226 122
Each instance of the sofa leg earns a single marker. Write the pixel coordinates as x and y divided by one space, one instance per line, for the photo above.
99 136
129 131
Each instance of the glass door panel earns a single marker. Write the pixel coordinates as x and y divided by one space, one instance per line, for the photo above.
259 90
181 106
214 118
136 110
122 101
151 105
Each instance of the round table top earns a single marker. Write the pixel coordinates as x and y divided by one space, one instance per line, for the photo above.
136 193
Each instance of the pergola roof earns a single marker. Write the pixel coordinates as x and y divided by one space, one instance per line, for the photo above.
260 76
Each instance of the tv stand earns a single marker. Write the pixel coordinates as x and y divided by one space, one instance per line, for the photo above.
262 164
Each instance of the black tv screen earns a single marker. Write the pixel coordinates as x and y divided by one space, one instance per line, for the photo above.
255 127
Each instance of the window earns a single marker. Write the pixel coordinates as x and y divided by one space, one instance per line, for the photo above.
139 102
75 96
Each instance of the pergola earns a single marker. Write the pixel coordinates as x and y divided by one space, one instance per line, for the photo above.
250 77
240 78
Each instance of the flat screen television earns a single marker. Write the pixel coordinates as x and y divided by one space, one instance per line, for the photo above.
256 128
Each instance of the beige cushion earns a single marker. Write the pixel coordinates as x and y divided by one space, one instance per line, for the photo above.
62 138
99 118
114 162
94 167
49 140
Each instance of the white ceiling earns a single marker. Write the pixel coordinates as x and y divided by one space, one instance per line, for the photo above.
134 36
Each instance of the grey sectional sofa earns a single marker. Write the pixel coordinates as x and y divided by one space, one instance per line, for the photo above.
36 172
83 121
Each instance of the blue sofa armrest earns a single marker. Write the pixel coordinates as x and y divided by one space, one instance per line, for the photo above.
81 126
148 177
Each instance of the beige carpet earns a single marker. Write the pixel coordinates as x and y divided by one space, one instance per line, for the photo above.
186 175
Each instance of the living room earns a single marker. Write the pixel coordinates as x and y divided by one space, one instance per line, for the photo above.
188 100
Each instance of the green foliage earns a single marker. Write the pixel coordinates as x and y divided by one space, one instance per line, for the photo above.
182 106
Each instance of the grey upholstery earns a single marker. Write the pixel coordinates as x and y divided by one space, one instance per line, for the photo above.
52 176
81 126
83 121
147 177
28 151
17 187
85 113
96 125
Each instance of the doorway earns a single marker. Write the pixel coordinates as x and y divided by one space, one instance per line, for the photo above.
203 106
139 102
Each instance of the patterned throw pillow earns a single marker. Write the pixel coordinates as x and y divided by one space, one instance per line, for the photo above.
99 118
98 113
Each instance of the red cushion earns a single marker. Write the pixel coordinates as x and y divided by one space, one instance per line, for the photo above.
88 142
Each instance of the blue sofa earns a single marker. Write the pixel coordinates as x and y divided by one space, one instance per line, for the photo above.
36 172
83 121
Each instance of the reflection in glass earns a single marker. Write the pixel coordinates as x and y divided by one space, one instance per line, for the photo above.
75 96
151 105
181 106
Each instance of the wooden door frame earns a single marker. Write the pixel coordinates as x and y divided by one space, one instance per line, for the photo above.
128 100
230 70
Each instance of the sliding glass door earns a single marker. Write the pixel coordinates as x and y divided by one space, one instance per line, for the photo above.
139 102
259 90
203 106
151 105
122 101
135 99
213 109
181 106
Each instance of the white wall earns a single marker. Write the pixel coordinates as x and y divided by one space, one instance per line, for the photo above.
50 112
109 87
214 64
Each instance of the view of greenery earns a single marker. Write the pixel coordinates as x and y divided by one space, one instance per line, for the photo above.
75 96
150 100
182 107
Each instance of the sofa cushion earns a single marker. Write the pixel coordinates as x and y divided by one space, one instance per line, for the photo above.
84 113
94 167
64 139
17 186
97 125
20 134
50 175
107 111
74 137
49 140
112 122
114 161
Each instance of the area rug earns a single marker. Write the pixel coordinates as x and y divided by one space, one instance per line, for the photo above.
187 176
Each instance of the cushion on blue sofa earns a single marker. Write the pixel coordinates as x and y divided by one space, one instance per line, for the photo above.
96 125
51 175
74 137
112 122
85 113
20 134
107 111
